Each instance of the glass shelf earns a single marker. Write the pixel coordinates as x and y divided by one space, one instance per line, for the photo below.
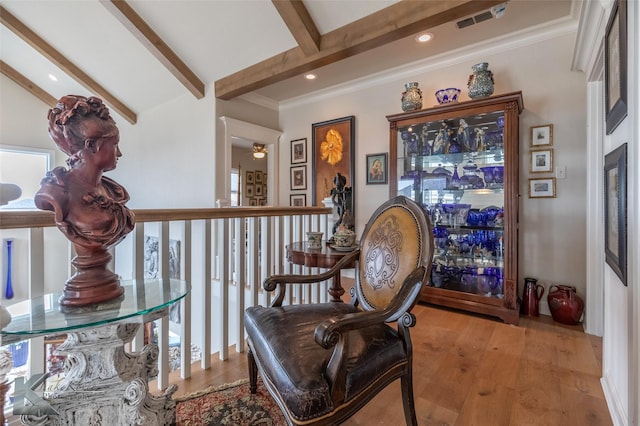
44 315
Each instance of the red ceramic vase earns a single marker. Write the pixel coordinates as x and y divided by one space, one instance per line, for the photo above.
565 304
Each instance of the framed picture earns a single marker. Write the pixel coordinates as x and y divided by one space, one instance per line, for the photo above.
541 135
299 151
541 161
333 152
253 202
248 191
298 177
377 168
258 191
258 177
249 178
298 200
615 66
542 188
615 211
262 201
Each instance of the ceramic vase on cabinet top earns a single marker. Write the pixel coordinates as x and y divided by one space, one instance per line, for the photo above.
411 97
481 82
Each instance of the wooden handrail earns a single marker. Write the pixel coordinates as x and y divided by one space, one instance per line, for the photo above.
43 219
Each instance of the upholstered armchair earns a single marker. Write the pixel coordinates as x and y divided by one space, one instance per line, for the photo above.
323 362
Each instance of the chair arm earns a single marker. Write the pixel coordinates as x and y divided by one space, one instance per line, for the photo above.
327 333
280 281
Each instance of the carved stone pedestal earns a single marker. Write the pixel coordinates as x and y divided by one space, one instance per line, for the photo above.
104 385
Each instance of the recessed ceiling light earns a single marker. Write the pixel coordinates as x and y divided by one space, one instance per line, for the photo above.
424 37
310 76
53 77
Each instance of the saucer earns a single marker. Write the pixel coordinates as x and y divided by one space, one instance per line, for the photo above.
333 246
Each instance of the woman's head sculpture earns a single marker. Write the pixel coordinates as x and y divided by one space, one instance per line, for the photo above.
89 208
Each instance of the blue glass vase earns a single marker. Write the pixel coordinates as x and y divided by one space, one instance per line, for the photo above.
9 287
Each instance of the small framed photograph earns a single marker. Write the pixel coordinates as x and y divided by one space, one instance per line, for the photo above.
615 211
542 188
541 135
377 168
262 201
615 66
298 200
258 177
299 151
253 202
248 191
541 161
249 180
264 178
298 178
258 191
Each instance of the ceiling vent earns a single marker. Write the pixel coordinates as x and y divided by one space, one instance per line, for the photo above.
495 12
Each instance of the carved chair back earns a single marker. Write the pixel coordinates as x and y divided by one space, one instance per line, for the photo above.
390 251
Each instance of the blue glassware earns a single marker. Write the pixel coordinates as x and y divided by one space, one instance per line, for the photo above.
9 291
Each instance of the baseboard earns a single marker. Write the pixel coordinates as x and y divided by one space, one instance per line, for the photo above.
616 410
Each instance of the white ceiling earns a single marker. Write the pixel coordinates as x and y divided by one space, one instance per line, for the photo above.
216 38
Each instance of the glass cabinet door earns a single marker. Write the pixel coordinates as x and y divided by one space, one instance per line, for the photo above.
455 168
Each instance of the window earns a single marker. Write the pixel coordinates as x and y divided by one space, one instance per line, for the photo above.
234 187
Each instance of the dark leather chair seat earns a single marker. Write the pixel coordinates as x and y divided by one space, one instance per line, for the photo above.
301 381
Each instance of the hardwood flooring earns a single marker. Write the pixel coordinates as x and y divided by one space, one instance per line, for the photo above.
472 370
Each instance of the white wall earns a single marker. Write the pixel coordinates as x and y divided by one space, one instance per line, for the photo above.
552 231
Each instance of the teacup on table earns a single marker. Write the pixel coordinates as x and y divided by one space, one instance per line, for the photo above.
314 240
344 239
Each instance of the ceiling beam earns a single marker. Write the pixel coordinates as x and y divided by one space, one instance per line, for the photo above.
58 59
158 48
392 23
27 84
297 18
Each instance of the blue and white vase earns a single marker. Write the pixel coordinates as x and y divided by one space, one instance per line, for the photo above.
481 82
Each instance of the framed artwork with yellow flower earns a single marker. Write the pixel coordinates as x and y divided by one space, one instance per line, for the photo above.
333 152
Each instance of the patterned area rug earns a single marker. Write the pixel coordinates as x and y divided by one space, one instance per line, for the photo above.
230 404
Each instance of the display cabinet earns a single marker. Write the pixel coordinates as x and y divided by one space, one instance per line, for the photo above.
460 161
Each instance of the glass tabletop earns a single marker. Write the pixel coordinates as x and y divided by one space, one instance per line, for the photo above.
44 315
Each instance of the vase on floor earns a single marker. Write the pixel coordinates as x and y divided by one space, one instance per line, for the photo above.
565 305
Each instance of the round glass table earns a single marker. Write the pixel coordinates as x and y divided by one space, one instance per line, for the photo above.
102 383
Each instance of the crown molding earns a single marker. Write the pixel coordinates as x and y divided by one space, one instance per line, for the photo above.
515 40
589 37
260 100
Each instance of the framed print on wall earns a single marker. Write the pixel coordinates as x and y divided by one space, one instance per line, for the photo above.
249 178
298 200
615 66
377 168
541 135
615 211
541 161
258 176
542 188
298 177
299 151
333 152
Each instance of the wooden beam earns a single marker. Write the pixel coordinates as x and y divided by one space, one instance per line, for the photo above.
297 18
158 48
392 23
27 84
49 52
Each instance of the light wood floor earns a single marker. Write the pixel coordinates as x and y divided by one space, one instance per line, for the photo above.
477 371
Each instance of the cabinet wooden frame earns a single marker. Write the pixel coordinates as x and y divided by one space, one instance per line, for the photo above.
510 105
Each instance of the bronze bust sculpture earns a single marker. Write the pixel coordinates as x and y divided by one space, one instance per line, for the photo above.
89 208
